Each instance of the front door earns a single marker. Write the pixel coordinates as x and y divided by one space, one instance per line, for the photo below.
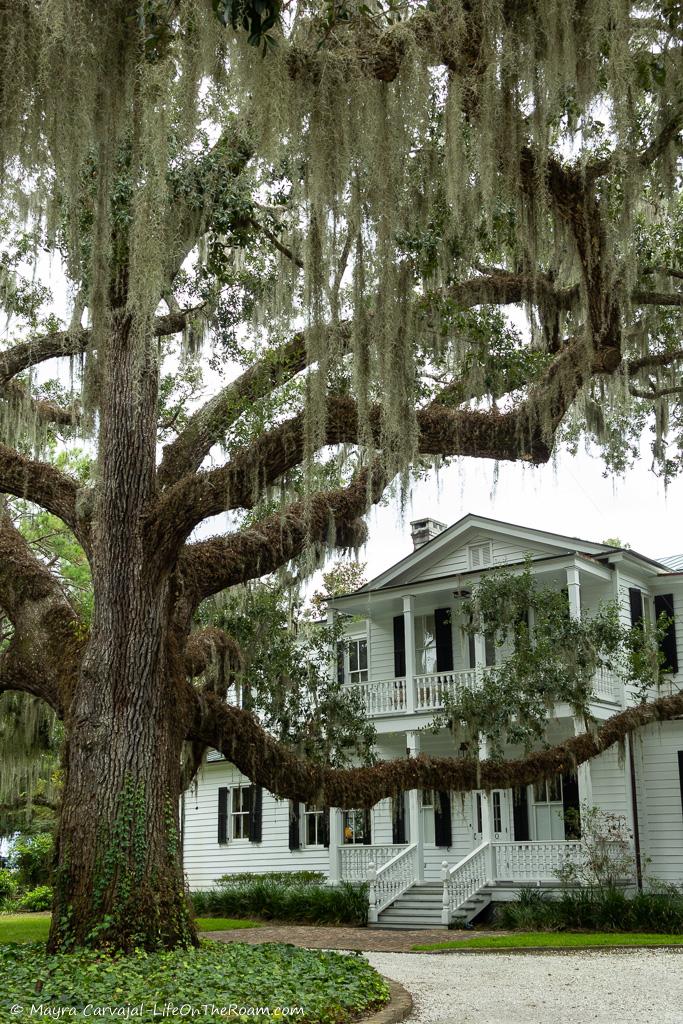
500 816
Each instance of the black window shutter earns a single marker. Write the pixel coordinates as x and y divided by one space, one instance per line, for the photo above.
664 605
223 814
294 825
570 802
367 827
444 639
680 774
398 819
399 645
256 815
326 827
443 833
520 814
340 662
635 599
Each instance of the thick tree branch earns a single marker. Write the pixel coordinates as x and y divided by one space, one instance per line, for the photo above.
207 647
44 485
330 517
656 359
47 643
648 298
239 736
38 350
526 433
43 410
206 427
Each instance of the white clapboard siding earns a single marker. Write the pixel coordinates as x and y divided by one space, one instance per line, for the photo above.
660 808
608 783
205 860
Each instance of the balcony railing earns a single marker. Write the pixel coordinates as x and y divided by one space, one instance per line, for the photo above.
400 695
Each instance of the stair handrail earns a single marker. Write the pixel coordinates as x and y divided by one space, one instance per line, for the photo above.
464 879
391 880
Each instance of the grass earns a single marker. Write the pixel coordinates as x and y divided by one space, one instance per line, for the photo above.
559 940
34 927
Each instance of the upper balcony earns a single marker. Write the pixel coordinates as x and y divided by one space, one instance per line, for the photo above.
427 694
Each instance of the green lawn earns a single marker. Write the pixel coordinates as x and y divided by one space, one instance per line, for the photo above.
558 940
34 927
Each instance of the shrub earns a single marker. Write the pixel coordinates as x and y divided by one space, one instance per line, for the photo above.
284 877
658 909
8 885
39 898
31 857
266 897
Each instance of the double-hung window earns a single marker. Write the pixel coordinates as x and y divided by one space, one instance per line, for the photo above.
314 825
240 810
358 661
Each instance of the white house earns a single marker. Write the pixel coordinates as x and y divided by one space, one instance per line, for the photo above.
443 856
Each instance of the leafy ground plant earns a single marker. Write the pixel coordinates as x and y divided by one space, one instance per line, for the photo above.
325 988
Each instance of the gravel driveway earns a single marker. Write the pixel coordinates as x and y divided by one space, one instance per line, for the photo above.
639 987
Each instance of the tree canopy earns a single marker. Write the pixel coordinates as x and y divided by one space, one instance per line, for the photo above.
309 250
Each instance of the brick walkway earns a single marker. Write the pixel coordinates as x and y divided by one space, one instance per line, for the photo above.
378 940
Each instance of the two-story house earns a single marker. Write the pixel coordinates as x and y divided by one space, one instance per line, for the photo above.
439 856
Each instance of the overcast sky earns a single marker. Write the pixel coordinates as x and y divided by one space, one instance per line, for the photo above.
571 497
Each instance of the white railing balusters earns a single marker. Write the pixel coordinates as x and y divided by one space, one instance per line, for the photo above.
431 690
464 879
534 861
355 860
391 880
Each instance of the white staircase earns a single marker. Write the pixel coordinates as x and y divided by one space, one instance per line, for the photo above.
419 906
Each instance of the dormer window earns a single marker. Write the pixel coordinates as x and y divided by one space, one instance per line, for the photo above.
480 555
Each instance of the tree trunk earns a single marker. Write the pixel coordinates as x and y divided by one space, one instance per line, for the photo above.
118 877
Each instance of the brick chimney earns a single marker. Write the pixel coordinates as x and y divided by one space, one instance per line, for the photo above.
423 530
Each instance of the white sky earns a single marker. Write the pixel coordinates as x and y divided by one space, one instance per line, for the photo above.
571 497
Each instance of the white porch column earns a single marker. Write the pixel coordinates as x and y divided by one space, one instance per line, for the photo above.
487 813
415 832
479 654
583 773
335 844
574 589
409 633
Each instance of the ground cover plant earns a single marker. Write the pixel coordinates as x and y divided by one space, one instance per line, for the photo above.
557 940
301 901
331 987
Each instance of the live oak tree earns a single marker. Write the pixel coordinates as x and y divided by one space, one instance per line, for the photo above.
333 204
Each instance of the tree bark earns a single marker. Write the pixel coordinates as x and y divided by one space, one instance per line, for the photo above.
118 878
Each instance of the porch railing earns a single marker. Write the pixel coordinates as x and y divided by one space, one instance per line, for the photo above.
464 879
428 692
383 696
391 880
534 861
608 685
356 860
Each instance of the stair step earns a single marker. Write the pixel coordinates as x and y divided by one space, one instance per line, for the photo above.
414 911
413 926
